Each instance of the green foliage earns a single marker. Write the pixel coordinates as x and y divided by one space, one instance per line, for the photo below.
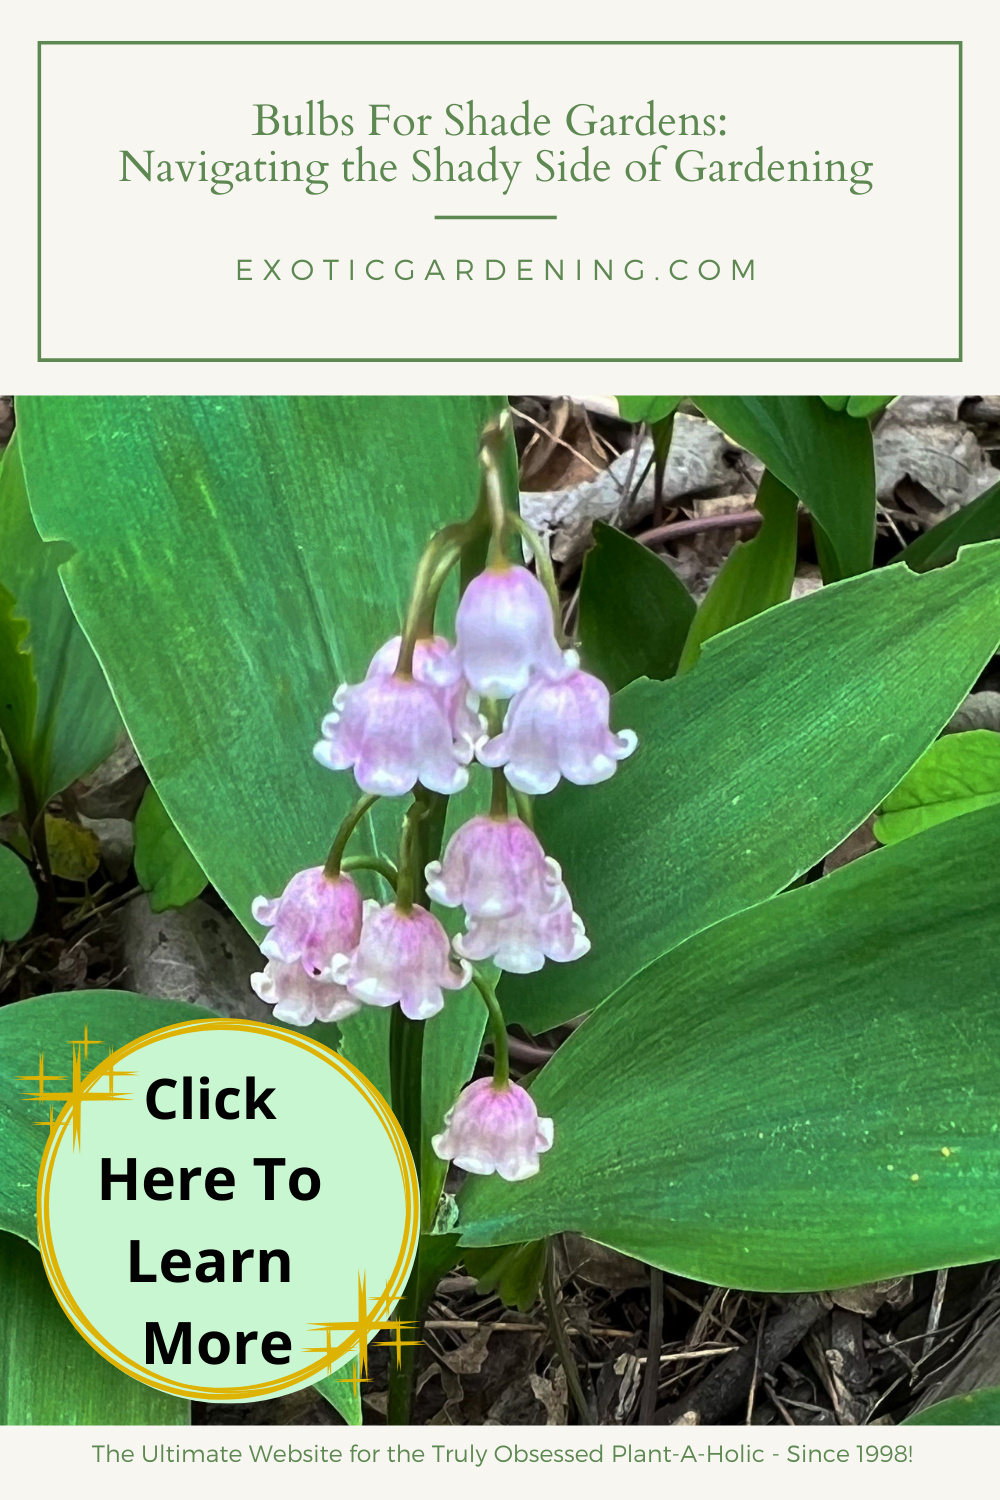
857 406
802 1097
756 574
634 611
33 1028
957 774
164 864
975 1409
18 897
978 522
293 527
647 408
867 406
49 1376
56 712
343 1395
513 1271
824 457
792 728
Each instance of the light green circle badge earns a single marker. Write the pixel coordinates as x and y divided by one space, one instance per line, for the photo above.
227 1211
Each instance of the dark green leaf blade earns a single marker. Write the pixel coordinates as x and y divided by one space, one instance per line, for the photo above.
49 1376
957 774
803 1097
74 723
164 864
816 709
18 896
46 1026
825 457
635 613
756 574
292 525
978 522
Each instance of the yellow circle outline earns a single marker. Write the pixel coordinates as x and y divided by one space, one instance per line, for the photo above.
296 1380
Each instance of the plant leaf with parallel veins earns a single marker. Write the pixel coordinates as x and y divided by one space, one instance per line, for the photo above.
957 774
56 710
49 1375
792 728
635 613
825 457
756 574
803 1097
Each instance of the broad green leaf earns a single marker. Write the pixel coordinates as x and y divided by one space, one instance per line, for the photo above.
67 722
343 1395
45 1027
269 546
866 406
634 611
18 896
978 522
233 560
49 1375
514 1271
8 783
452 1041
803 1097
975 1409
957 774
792 728
164 864
647 408
18 689
756 574
825 457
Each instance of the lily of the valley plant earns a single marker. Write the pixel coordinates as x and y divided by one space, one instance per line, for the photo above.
509 696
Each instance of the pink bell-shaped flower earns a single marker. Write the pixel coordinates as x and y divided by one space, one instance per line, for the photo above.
315 917
431 666
494 1129
404 958
558 728
299 999
494 867
521 943
505 631
394 731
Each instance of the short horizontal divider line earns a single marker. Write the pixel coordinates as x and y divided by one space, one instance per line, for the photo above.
495 216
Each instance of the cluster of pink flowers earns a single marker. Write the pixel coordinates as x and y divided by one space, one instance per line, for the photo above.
329 953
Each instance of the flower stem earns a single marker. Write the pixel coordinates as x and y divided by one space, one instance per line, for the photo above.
560 1338
498 799
408 856
424 831
501 1055
333 860
440 556
501 515
543 567
376 862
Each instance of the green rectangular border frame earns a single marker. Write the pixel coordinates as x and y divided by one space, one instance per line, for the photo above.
486 359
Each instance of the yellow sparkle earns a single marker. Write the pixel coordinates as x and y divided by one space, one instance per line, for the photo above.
76 1096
